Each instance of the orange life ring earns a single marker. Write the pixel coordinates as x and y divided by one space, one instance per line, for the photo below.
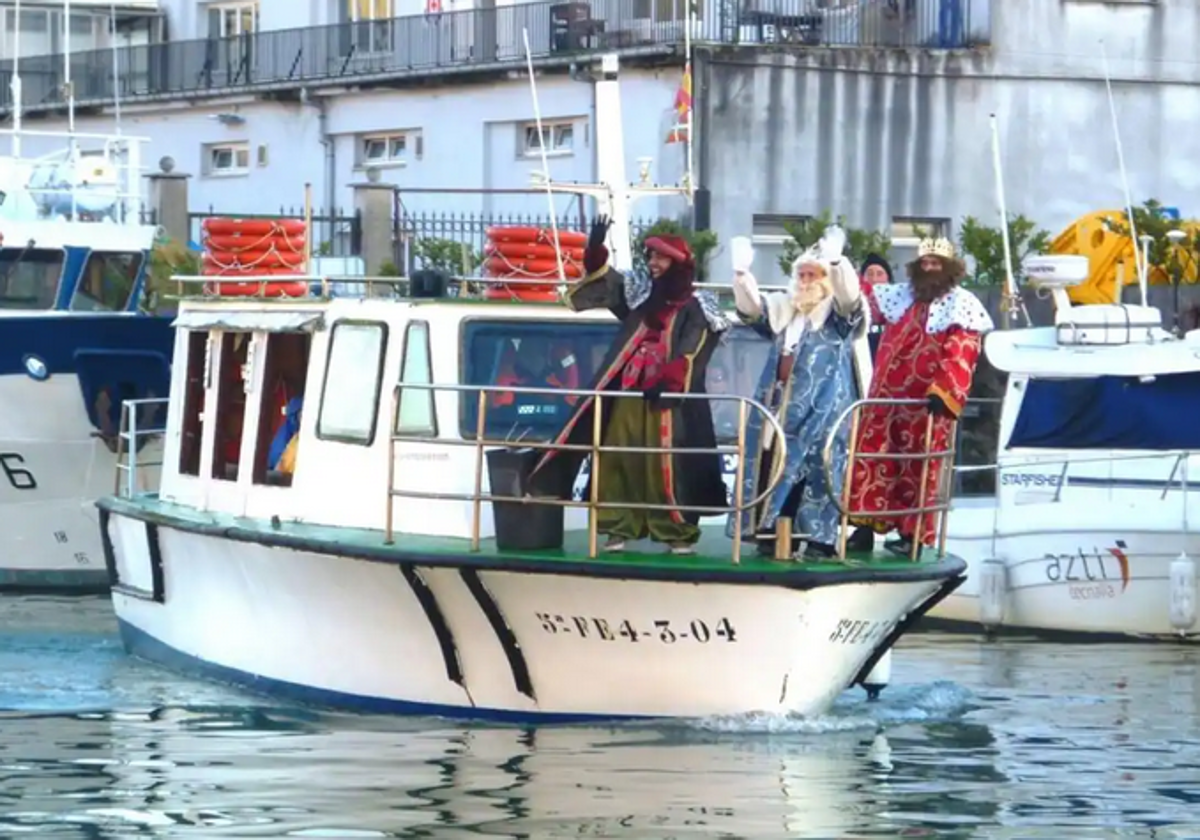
532 251
525 294
566 238
252 227
250 271
254 259
535 269
238 243
296 288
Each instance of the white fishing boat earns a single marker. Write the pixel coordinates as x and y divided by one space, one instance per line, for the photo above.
73 347
74 254
392 541
1089 529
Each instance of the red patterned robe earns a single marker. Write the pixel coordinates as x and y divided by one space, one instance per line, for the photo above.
925 349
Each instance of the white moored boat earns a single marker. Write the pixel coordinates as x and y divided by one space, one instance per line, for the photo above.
381 575
1089 530
74 347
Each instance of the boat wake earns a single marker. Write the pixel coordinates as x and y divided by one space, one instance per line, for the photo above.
934 702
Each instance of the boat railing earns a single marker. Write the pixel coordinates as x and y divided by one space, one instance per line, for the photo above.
326 287
926 455
129 436
480 442
1178 474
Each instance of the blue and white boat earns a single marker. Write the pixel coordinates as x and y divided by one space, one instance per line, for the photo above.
74 257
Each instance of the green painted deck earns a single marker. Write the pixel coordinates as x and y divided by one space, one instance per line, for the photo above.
644 558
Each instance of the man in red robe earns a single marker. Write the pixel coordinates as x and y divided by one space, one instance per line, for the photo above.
928 350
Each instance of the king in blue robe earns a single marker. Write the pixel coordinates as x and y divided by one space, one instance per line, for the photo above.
819 364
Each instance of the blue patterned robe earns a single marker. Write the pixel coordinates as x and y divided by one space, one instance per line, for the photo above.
823 384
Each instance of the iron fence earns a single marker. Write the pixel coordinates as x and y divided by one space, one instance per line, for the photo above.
334 234
486 38
415 231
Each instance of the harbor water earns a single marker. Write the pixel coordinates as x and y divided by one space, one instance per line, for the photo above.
1012 738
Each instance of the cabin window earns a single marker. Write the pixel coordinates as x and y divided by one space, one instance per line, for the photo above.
978 431
736 368
416 412
353 373
231 405
29 278
1110 412
285 368
543 354
192 428
107 282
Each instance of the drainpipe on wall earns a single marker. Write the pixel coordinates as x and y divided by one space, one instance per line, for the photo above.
330 153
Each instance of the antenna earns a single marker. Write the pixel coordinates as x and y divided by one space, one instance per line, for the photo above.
1138 263
16 87
72 155
691 114
1010 285
537 116
116 66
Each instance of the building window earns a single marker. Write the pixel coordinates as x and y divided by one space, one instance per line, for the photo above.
383 149
232 19
360 10
350 398
559 138
416 413
908 231
917 227
769 235
225 159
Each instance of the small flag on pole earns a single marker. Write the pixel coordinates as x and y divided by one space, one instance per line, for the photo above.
683 107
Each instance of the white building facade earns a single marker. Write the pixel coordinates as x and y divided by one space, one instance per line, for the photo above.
877 109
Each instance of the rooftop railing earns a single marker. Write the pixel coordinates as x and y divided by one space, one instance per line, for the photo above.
482 39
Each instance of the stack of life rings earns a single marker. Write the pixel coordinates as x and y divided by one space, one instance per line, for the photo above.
257 248
528 253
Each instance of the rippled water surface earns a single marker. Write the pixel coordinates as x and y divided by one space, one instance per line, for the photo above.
975 739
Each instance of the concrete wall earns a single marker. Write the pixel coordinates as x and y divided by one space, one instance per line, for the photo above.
880 134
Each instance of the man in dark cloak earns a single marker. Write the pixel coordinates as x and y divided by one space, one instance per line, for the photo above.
668 333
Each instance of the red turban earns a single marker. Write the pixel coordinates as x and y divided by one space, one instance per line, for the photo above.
675 247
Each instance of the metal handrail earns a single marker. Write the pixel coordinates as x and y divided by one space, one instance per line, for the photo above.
128 435
1180 456
393 283
946 456
596 448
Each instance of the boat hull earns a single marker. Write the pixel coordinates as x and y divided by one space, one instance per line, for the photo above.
1106 575
466 638
55 467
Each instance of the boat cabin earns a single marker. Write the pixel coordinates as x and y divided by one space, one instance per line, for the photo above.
73 241
249 374
1102 401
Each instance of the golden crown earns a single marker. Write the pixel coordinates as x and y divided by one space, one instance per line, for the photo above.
940 247
937 247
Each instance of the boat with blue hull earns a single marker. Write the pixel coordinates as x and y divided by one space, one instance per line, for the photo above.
73 346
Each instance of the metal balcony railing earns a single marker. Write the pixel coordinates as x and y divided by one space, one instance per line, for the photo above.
480 39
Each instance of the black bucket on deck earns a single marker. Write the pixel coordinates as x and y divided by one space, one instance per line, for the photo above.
522 527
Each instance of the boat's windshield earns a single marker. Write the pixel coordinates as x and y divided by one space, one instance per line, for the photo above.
1110 412
558 354
106 282
29 278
